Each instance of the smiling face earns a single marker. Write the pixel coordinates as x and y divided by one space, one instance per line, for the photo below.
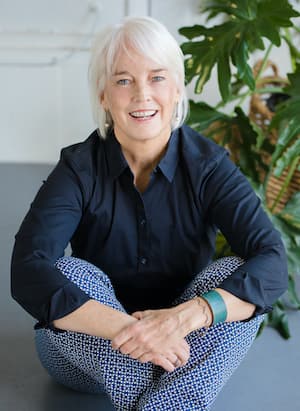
140 96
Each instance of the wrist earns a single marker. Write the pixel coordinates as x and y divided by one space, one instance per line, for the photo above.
205 312
217 306
194 314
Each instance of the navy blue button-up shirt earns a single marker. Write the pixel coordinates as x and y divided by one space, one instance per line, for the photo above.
150 244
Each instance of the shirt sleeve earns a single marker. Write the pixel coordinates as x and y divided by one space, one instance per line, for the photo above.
234 208
40 288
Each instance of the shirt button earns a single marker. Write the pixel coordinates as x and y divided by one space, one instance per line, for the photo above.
143 222
143 260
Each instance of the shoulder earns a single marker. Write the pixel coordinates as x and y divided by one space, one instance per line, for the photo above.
199 149
82 149
83 155
81 162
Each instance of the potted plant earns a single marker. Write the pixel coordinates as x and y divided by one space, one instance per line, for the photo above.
264 143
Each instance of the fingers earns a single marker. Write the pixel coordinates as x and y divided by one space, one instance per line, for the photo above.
124 336
173 358
169 353
137 354
178 356
159 360
169 360
181 360
184 352
177 360
166 364
141 331
142 343
128 347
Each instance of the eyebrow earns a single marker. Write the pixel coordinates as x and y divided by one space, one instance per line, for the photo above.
122 73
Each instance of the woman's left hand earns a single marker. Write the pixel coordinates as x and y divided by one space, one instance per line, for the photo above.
158 332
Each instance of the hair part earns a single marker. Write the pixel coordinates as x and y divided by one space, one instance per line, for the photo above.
150 39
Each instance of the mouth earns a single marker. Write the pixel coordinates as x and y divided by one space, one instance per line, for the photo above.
143 114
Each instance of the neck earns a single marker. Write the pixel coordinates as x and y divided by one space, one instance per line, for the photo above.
143 156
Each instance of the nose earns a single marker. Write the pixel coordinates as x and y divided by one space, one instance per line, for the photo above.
142 91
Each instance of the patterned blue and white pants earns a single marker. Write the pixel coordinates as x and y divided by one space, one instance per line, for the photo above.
88 363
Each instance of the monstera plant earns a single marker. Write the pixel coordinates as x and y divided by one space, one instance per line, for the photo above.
266 147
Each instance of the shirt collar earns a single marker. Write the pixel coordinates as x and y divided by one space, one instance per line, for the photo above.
168 163
117 162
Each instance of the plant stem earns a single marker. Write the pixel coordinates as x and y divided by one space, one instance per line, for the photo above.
264 90
267 90
264 63
286 182
222 104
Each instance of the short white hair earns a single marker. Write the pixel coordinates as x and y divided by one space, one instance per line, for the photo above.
147 37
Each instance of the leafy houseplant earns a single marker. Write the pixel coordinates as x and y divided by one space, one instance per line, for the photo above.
263 150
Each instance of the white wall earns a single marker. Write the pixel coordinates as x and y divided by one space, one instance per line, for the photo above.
44 102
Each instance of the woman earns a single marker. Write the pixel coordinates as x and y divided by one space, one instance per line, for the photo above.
140 310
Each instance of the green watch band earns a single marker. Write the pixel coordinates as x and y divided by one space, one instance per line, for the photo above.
217 306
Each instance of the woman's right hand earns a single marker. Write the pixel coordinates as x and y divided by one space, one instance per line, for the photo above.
158 336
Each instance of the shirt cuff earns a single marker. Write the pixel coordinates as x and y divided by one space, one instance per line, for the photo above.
248 288
65 300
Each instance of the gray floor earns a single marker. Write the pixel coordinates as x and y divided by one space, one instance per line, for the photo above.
267 380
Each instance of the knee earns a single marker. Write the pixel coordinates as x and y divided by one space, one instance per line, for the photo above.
90 279
226 264
213 275
78 270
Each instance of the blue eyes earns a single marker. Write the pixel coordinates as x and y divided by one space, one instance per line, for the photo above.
126 81
158 78
123 82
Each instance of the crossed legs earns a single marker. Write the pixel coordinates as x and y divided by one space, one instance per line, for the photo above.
88 363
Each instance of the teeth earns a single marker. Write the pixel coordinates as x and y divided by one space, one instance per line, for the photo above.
140 114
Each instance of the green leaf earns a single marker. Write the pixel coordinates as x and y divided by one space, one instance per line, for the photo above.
224 75
237 86
279 12
232 9
287 158
195 31
200 63
240 57
286 118
222 247
236 129
291 212
291 238
230 42
286 111
249 159
293 89
294 52
202 115
287 121
292 292
263 325
261 136
278 319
